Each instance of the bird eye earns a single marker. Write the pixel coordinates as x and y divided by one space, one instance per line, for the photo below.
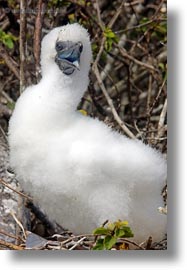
80 47
59 46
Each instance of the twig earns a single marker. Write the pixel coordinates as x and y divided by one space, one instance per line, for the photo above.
111 23
121 42
110 60
10 245
22 44
133 3
11 16
3 134
9 235
130 57
37 35
149 92
131 242
141 25
149 243
7 97
77 243
116 15
149 102
19 223
147 31
99 15
158 95
110 103
9 61
162 119
18 192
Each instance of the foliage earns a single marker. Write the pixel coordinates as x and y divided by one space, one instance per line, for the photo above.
7 39
159 28
108 236
110 38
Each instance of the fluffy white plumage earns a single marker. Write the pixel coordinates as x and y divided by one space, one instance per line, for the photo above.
80 171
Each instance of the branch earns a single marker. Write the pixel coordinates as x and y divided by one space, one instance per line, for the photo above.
128 56
10 245
18 192
37 35
110 103
11 17
10 62
110 24
162 120
22 44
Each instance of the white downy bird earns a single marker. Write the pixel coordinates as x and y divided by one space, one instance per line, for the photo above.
80 171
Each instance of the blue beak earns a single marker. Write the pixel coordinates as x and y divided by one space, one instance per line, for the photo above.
68 56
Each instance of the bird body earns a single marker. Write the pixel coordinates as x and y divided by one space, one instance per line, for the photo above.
79 170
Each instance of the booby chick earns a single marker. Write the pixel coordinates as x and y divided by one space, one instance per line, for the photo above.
80 171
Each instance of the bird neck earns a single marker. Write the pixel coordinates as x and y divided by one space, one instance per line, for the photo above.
64 92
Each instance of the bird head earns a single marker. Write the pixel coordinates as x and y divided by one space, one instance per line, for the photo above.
67 48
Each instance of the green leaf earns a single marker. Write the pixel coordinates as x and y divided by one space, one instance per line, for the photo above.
162 28
110 38
162 66
11 105
9 43
119 233
99 245
109 241
120 223
127 231
144 20
101 231
7 39
109 33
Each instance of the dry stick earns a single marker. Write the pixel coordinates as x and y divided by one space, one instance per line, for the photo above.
9 235
10 245
111 23
162 119
22 44
110 103
99 15
110 60
19 223
133 3
130 57
121 43
158 95
75 237
146 32
3 134
37 35
18 192
131 242
3 93
141 25
10 62
149 243
91 235
149 92
155 101
78 242
116 15
96 71
149 102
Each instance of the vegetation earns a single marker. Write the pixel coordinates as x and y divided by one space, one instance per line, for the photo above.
112 233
